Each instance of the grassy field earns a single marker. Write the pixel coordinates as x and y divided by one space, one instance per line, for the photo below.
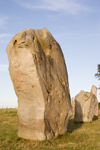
80 136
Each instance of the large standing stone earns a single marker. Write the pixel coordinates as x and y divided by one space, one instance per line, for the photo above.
86 107
38 72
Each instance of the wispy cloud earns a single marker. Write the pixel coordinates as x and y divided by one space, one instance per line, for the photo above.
4 41
58 35
3 67
66 6
3 20
76 35
2 35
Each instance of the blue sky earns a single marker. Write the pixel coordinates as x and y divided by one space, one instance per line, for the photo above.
75 24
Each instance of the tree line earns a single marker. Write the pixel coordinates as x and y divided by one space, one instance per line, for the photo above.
97 75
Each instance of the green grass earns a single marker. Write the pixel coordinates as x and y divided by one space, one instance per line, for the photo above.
80 136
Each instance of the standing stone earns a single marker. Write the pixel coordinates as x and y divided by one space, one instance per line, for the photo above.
73 104
86 107
38 72
94 90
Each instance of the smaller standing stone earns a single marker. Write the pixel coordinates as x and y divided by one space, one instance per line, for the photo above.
86 106
73 105
94 90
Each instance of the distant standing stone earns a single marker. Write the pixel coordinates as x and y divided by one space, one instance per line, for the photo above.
39 75
94 90
73 104
86 107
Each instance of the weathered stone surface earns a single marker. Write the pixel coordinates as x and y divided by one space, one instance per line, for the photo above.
38 72
73 104
86 107
94 90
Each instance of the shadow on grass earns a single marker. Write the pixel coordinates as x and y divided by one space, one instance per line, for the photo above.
73 125
78 117
76 125
95 118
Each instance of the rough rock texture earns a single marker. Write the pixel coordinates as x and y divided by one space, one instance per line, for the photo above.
94 90
38 72
86 107
73 105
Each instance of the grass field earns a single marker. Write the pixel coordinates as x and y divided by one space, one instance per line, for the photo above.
80 136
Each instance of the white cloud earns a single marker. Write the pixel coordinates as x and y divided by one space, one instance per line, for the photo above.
66 6
3 67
